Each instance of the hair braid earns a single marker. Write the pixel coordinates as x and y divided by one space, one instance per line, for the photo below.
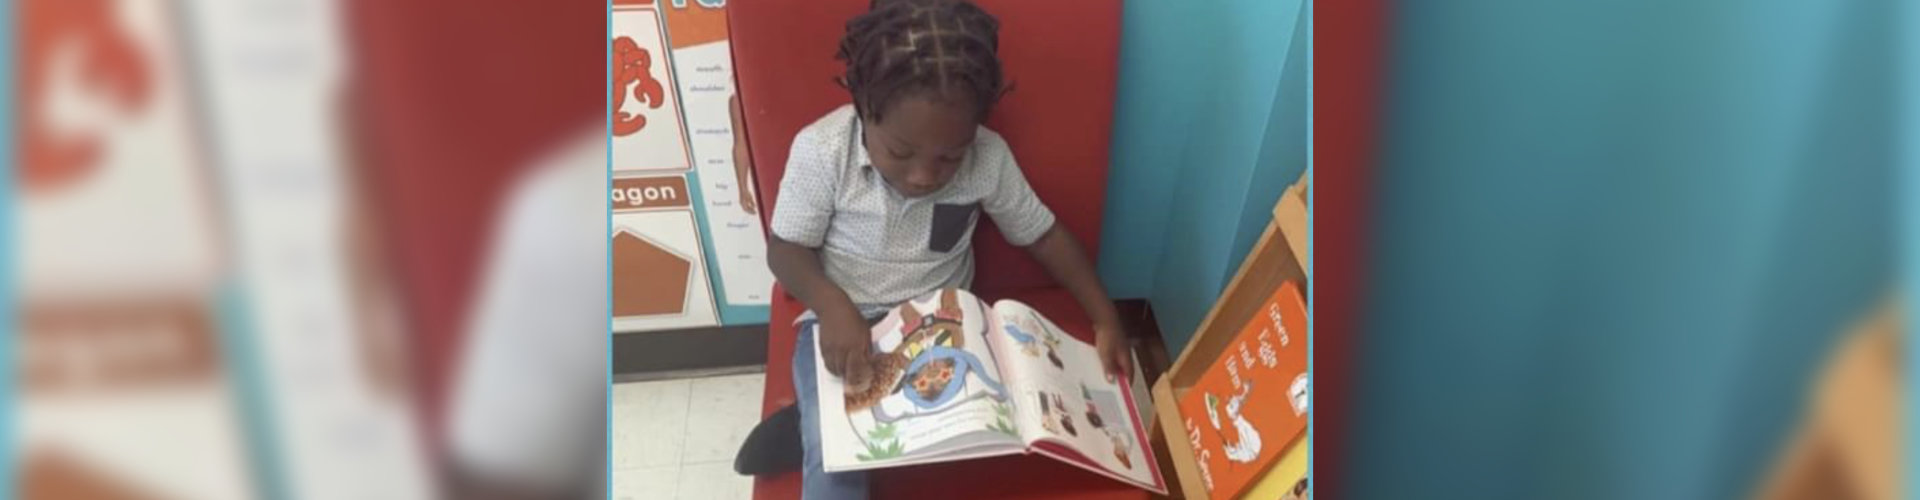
949 48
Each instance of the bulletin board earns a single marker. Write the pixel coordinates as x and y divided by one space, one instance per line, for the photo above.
120 260
687 240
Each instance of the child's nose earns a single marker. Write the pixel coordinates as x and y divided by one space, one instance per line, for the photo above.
924 176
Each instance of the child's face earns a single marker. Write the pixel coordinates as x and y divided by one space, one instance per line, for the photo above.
920 146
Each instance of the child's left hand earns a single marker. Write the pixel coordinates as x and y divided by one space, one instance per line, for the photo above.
1116 354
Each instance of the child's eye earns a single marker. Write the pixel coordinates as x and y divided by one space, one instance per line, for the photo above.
900 156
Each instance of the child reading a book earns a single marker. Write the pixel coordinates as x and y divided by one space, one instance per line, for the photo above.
880 198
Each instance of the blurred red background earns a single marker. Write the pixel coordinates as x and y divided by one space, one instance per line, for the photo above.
453 100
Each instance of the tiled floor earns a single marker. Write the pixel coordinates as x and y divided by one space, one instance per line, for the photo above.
675 439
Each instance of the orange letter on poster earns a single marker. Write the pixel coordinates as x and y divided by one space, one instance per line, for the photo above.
632 64
109 60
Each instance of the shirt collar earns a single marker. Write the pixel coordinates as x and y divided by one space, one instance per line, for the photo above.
859 157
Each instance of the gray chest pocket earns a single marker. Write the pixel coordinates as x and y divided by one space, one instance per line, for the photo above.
950 222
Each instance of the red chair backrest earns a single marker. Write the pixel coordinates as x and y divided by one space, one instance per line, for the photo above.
1058 119
440 166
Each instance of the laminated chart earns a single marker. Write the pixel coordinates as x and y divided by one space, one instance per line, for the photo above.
703 67
674 120
123 391
321 321
108 156
659 270
647 131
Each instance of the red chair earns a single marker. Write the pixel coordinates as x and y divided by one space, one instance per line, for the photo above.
420 139
1063 59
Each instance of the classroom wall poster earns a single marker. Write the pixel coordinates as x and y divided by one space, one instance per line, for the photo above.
675 154
335 416
703 68
647 133
660 278
123 392
659 270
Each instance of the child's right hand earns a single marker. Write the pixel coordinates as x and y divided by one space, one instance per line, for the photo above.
843 346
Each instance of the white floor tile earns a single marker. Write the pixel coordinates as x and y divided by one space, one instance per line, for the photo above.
650 423
722 412
635 393
657 483
713 481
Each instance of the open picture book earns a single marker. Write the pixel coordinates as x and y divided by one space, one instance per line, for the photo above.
956 378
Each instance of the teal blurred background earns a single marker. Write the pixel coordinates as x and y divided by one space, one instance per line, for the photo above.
1210 125
1614 240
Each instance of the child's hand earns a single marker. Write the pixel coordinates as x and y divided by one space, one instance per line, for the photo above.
843 346
1116 355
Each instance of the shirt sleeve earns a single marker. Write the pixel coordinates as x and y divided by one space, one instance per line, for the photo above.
804 207
1013 205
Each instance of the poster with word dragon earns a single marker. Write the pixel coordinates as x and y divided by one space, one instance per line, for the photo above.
674 116
659 271
647 133
123 387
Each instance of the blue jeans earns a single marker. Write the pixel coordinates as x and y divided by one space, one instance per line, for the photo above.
815 482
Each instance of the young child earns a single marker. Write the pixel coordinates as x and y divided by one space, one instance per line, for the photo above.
880 199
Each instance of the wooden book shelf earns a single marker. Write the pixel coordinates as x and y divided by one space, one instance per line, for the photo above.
1282 254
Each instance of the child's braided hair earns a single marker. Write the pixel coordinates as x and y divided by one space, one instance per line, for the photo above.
947 47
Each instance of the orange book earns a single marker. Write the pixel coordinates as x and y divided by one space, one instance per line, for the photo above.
1252 403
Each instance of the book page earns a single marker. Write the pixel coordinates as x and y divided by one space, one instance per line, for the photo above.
938 393
1067 407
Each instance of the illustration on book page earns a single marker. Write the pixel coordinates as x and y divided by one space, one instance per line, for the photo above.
935 380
